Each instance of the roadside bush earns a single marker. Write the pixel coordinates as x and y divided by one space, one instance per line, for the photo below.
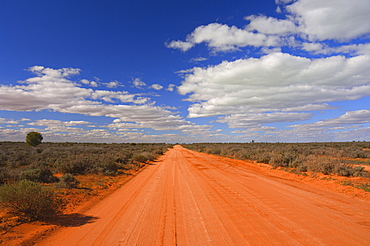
302 168
30 200
320 164
68 181
278 161
266 158
159 152
38 175
139 158
358 171
149 156
124 158
107 166
343 170
73 165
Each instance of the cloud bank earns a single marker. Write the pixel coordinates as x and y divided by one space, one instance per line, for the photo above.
275 82
289 86
52 89
305 21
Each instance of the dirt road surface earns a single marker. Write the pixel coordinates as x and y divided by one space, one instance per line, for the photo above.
189 198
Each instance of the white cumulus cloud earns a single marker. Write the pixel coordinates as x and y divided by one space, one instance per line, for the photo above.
221 37
112 84
52 90
254 121
181 45
156 87
275 82
171 87
305 21
331 19
349 118
269 25
138 83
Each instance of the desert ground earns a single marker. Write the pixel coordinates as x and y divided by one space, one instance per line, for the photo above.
191 198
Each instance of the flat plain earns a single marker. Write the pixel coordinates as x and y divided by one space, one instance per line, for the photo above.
191 198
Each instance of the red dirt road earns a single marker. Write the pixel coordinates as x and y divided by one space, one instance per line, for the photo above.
188 198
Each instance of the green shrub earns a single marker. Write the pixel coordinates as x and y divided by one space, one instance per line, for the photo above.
74 164
343 170
139 158
106 166
38 175
30 200
111 168
68 181
263 159
358 171
149 156
302 168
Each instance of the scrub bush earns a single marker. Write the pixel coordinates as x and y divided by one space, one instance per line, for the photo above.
68 181
29 200
139 158
43 175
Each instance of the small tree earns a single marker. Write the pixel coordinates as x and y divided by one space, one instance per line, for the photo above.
34 138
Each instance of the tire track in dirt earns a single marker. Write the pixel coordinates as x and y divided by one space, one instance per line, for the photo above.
189 198
282 205
253 215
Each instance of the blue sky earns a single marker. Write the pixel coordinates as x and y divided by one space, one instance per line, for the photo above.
185 71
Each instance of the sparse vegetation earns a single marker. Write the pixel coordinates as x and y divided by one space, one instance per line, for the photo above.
326 158
362 186
18 161
29 176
